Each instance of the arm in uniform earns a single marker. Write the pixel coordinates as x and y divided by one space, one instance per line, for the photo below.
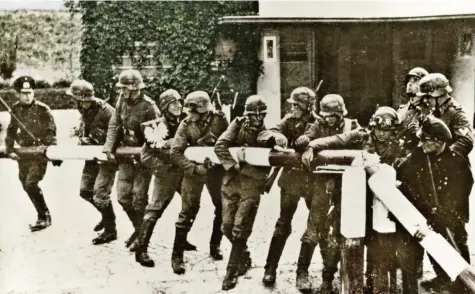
49 127
98 134
115 124
179 145
267 137
340 140
224 142
12 131
463 143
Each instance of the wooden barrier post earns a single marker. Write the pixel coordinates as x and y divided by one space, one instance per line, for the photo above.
353 230
446 256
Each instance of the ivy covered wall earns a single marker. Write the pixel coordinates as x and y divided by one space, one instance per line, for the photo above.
185 32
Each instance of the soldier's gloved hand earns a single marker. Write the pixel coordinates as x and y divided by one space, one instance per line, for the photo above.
56 162
241 155
85 141
200 170
302 141
110 157
281 140
422 232
235 169
307 157
13 156
413 127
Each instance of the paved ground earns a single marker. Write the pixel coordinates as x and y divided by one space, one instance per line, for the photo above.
62 259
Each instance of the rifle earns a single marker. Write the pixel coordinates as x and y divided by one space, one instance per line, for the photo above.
218 105
436 199
273 176
20 124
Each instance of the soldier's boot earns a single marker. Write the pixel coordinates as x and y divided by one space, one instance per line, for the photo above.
215 243
89 198
276 248
143 239
44 217
230 280
245 262
305 257
43 221
135 217
189 247
331 257
178 265
108 220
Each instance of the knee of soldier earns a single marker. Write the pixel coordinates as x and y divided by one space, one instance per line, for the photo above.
283 228
310 237
152 215
227 230
31 187
125 202
86 195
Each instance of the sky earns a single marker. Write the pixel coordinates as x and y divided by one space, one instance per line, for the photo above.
31 4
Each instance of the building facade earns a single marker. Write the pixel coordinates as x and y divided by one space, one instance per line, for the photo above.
361 50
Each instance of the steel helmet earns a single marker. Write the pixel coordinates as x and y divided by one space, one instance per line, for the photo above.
255 104
385 118
303 97
434 85
131 79
198 101
168 97
332 104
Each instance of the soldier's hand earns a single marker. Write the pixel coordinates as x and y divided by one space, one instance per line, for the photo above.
241 155
307 157
413 127
57 162
302 141
281 140
207 163
422 232
85 141
13 156
110 157
201 170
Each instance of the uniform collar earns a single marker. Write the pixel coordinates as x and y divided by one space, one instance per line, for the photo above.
446 104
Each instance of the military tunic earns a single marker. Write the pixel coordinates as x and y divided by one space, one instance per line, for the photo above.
38 120
97 180
167 176
446 208
453 115
323 228
293 182
124 130
241 189
204 132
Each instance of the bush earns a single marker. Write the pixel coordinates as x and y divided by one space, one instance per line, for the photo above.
63 83
185 32
41 84
54 98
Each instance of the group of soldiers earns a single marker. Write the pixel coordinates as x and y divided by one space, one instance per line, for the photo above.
427 140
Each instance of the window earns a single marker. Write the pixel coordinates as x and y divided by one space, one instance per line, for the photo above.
270 50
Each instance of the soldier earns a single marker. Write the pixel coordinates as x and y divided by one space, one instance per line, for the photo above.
202 127
39 129
242 185
438 181
323 229
97 179
435 93
409 113
133 108
380 138
167 177
294 183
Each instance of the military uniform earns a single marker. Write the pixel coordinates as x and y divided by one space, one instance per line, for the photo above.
447 207
203 132
39 121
